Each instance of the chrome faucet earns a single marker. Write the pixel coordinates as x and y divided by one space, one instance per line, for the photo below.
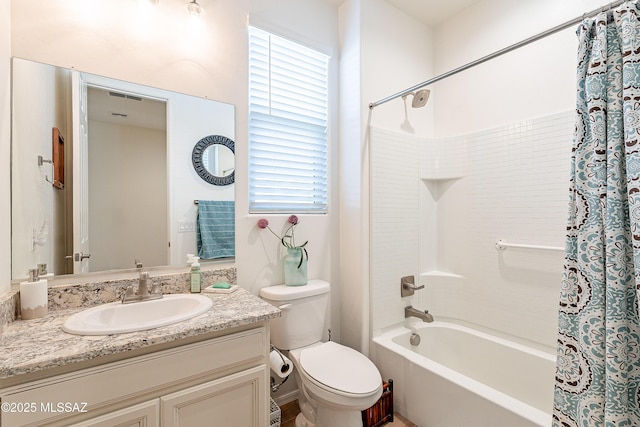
143 290
412 312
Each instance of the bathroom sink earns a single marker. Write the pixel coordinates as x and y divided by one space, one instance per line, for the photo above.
118 318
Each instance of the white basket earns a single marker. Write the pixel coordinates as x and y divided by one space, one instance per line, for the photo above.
274 417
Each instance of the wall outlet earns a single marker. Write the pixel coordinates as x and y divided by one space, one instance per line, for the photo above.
186 226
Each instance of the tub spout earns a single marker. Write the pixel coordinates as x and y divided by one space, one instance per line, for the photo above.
412 312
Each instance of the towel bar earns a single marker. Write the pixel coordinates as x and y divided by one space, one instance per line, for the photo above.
501 245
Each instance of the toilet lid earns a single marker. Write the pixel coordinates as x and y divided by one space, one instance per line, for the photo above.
340 368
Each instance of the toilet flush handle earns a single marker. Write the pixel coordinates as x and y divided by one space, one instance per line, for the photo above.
285 306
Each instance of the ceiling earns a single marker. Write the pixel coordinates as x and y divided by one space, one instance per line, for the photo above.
431 12
111 106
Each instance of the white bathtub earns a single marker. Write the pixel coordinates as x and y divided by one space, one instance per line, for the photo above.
461 377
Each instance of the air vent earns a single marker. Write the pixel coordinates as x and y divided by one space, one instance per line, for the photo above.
124 95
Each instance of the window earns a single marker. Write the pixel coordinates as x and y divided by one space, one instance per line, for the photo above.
288 111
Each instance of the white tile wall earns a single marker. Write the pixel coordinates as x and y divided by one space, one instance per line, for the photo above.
509 183
395 219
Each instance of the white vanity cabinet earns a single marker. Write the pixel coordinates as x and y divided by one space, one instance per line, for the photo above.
231 401
221 381
142 415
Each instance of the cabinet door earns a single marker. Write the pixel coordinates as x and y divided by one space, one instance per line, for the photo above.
116 383
237 400
143 415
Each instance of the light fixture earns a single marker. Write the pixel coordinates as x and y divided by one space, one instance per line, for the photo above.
194 8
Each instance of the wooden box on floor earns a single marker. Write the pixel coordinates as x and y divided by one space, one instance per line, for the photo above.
382 411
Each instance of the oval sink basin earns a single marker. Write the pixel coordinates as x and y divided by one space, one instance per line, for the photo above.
118 318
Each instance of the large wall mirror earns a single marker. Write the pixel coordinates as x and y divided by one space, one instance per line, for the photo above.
130 191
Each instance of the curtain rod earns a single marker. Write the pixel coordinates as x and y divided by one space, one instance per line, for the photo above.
507 49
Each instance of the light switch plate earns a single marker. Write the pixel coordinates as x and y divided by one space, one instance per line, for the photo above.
186 226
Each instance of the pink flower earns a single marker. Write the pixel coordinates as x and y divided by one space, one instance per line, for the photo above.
288 240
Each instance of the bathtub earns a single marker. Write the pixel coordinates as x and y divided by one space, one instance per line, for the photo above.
462 377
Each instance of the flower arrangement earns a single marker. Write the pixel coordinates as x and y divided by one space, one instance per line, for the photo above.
288 239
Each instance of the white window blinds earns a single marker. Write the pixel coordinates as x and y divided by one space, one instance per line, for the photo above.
288 110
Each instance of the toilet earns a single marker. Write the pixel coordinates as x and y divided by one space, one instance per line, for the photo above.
335 383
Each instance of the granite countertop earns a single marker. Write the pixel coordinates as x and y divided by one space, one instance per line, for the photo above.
28 346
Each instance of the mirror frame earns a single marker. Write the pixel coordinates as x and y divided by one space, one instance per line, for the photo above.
198 164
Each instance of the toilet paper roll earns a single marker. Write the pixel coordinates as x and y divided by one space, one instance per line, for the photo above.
280 364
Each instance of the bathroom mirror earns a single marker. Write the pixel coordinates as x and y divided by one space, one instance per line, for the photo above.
213 159
127 165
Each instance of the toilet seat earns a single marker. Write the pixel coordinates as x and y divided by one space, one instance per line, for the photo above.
340 368
338 375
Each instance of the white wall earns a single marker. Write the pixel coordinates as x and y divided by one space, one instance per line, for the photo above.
353 231
163 49
5 146
397 53
535 80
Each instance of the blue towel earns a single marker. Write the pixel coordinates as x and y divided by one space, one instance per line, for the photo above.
215 229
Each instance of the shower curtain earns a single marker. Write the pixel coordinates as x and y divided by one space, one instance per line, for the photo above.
598 364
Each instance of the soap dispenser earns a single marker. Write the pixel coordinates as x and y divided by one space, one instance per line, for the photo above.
33 297
190 258
195 276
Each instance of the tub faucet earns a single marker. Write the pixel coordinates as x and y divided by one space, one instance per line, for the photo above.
412 312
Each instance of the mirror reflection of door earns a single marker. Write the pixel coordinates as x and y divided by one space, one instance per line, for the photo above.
127 180
78 258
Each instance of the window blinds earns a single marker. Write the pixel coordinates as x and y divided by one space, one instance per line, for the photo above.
288 111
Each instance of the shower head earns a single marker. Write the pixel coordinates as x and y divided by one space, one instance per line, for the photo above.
420 98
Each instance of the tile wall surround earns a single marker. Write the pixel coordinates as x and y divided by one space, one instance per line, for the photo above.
452 199
90 293
395 216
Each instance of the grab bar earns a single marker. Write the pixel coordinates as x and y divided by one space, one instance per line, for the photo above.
501 245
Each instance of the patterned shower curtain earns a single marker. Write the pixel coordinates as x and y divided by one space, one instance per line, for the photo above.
598 365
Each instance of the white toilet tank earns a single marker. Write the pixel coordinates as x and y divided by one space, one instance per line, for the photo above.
304 310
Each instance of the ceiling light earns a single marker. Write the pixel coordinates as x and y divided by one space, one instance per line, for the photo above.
194 8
